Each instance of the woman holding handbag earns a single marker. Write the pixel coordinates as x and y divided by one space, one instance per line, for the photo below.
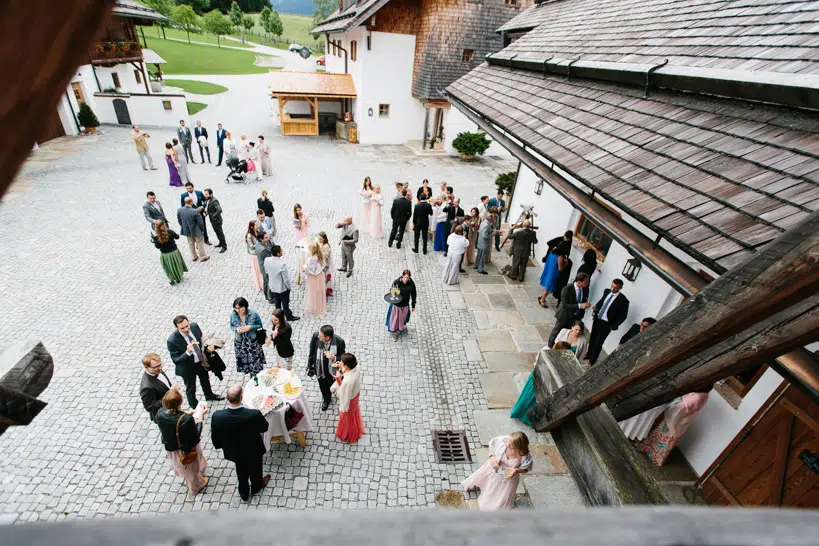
181 434
248 338
280 337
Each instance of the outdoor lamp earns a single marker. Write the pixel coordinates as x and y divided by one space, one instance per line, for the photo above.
539 187
370 112
632 268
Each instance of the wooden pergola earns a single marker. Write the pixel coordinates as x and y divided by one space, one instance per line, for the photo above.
310 87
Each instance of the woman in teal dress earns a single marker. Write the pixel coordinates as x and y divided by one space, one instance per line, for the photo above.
526 400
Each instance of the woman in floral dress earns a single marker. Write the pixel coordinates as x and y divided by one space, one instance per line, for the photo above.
245 322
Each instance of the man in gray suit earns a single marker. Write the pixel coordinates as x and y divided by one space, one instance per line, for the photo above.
278 282
153 211
185 139
193 227
483 242
522 241
349 238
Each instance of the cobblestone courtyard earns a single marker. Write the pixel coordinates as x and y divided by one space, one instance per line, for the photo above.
80 275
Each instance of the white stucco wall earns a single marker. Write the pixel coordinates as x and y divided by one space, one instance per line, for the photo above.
382 75
455 122
144 109
127 78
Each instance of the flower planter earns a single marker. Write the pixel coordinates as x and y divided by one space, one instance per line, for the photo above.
438 146
90 130
466 157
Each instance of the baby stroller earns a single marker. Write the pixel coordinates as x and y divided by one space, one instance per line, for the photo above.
238 170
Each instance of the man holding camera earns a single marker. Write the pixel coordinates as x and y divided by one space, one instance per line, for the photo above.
326 349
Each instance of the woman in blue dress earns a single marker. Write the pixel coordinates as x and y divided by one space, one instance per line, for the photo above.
439 242
555 261
527 400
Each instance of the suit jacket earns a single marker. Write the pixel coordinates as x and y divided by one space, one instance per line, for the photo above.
238 433
221 135
151 391
191 222
401 210
214 210
184 135
177 347
453 212
198 202
267 225
522 240
200 131
618 310
189 434
569 309
421 214
278 276
151 214
349 236
633 331
312 360
484 239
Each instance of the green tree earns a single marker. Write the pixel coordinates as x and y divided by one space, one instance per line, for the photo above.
273 25
185 17
264 15
199 6
162 7
217 24
236 14
323 9
248 23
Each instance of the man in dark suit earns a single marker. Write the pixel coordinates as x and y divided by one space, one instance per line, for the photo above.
522 241
184 344
200 131
198 203
636 329
574 300
192 226
326 348
453 210
609 313
221 135
185 139
152 209
214 211
400 213
237 431
420 221
154 384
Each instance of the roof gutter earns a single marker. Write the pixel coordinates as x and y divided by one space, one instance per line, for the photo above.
797 90
798 367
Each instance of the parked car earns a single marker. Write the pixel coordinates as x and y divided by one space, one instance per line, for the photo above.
295 47
321 61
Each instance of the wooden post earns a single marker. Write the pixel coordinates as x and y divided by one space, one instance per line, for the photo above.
281 115
783 274
796 326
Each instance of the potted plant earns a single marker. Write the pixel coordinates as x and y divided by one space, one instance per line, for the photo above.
469 144
439 139
505 181
88 118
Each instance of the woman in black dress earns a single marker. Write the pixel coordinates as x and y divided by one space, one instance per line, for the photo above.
280 336
264 203
589 265
172 262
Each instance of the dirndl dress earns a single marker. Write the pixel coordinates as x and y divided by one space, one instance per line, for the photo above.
397 318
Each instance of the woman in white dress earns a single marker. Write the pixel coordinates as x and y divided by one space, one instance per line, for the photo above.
376 222
457 246
244 147
264 157
253 162
366 193
498 478
230 145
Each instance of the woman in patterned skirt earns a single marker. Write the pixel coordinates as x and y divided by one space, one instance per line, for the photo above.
172 262
245 322
350 426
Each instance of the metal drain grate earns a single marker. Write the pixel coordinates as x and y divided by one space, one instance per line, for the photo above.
451 446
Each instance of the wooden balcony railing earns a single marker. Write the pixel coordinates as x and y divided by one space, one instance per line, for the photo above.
115 52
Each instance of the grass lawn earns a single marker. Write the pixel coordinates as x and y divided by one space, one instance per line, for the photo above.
194 107
182 35
201 59
296 30
197 87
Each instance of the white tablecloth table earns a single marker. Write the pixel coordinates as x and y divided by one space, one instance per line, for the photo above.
278 426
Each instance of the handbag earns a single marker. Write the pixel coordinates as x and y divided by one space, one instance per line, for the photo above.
185 458
261 336
292 417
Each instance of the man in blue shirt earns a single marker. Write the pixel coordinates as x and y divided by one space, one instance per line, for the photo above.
501 205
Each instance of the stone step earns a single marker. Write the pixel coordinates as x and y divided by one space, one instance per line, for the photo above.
499 361
496 422
547 460
499 389
552 492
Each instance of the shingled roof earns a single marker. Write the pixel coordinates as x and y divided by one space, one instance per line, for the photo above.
718 177
342 21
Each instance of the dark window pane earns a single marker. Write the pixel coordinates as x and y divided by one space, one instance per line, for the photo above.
605 245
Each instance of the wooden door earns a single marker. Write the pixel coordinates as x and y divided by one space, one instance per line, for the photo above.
774 462
77 88
121 110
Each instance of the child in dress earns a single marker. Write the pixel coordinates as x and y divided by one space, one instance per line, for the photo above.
498 478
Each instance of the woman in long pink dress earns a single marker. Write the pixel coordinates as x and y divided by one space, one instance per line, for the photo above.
327 254
250 241
376 223
350 426
366 193
499 476
316 299
300 223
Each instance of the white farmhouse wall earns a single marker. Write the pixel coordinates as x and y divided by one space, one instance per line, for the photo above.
455 122
145 110
382 75
67 118
127 78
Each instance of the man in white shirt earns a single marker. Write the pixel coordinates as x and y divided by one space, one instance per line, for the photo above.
609 313
278 282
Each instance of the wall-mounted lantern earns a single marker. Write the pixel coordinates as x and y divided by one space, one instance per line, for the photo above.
632 269
539 187
370 112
